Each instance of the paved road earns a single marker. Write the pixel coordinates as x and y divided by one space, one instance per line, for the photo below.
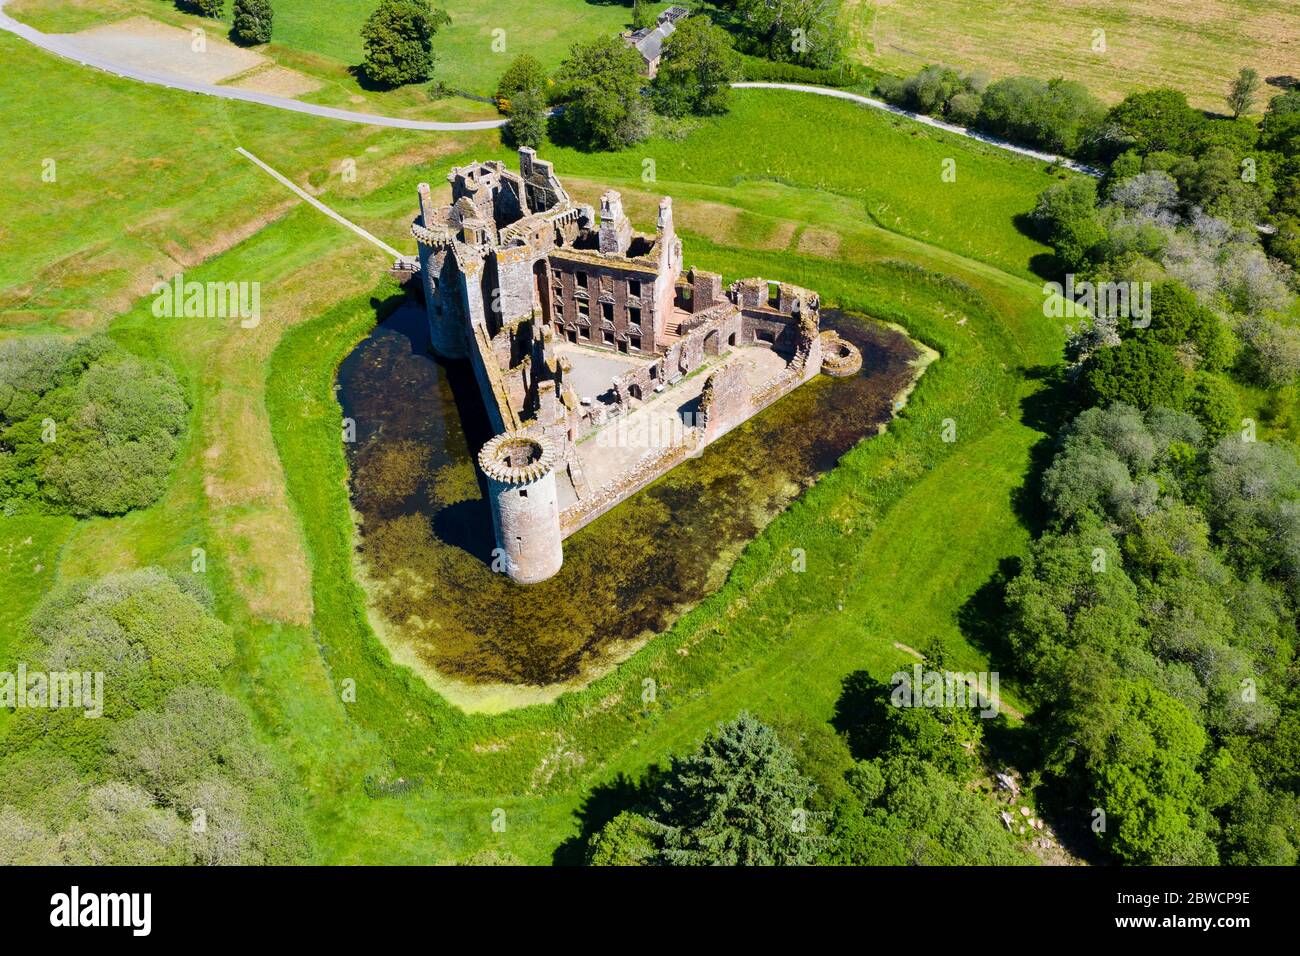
54 45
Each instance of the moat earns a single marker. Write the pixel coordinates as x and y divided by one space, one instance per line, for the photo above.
425 532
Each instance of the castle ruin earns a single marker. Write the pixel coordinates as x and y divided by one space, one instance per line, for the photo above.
601 363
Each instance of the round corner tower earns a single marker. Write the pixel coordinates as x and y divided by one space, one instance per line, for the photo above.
520 472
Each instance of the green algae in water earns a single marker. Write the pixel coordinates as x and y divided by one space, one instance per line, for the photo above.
425 533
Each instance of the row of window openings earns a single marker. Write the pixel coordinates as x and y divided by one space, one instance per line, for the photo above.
632 342
633 285
606 312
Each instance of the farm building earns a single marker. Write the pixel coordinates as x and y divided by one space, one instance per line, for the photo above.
649 41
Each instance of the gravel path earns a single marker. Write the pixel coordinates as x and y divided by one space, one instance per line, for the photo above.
64 49
927 120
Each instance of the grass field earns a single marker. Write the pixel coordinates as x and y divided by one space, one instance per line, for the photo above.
1192 45
471 54
899 538
151 185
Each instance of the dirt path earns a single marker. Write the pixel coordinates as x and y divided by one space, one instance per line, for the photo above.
998 703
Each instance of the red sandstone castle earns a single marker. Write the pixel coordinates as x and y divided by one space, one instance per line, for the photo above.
600 363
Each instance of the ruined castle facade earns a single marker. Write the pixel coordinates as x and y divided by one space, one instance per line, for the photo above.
577 326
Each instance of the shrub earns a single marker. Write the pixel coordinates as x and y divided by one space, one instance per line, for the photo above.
1060 115
525 72
759 70
935 90
84 426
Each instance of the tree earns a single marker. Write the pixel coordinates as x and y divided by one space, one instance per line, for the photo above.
398 38
791 31
1271 355
252 22
626 840
207 8
85 426
642 14
602 83
525 72
1254 504
738 800
1241 94
1213 400
902 811
1095 471
527 124
1147 784
1177 319
1068 218
1140 371
1072 594
1059 114
1158 120
1213 181
696 70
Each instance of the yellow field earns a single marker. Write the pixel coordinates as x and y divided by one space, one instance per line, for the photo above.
1193 45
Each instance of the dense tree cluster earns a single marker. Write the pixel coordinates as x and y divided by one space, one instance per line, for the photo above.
1183 200
85 427
1060 115
604 93
804 32
1155 625
742 799
171 773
